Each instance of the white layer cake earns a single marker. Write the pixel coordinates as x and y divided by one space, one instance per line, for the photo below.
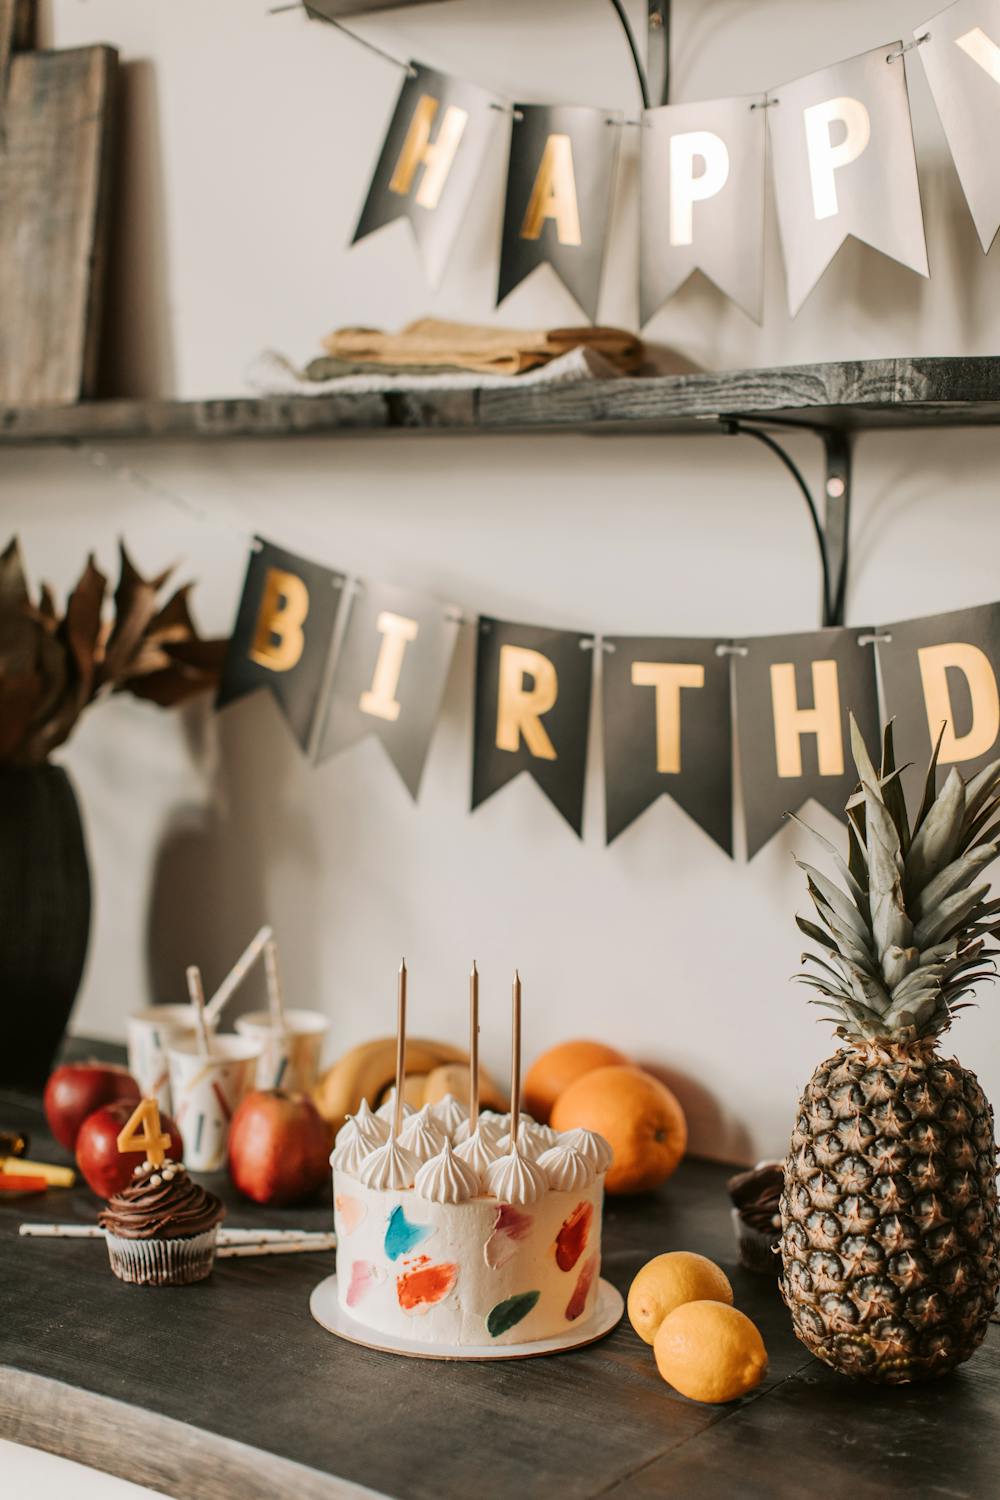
448 1241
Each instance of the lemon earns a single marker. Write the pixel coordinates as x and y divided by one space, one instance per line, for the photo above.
710 1352
670 1280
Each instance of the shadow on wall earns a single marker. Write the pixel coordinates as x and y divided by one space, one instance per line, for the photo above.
137 355
209 889
711 1131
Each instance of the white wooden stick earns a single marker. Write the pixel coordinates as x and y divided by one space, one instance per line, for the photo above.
243 1240
197 995
62 1231
274 1236
237 974
275 1000
286 1247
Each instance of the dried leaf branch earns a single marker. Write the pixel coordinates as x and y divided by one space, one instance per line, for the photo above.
52 668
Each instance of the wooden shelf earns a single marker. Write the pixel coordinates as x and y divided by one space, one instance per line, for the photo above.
854 396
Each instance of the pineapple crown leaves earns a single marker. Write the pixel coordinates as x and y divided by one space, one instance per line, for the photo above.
906 939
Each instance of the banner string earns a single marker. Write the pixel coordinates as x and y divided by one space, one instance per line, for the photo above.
97 458
151 489
892 57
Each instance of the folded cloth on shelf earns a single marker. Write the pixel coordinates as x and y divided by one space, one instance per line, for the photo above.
431 343
271 374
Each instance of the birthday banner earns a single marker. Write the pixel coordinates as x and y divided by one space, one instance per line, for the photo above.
347 659
841 156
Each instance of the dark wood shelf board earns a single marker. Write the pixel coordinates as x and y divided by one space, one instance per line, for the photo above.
229 1388
857 396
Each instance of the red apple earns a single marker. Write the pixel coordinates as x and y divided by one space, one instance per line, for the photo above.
107 1169
75 1090
279 1147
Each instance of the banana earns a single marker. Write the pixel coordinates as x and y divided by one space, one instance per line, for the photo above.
366 1070
413 1089
453 1078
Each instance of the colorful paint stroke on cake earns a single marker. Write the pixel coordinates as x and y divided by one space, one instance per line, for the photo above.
509 1227
401 1236
585 1280
419 1289
508 1313
571 1241
363 1277
351 1212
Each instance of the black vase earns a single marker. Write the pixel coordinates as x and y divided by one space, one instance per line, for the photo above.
44 918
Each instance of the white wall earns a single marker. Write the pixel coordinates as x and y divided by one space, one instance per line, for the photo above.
248 143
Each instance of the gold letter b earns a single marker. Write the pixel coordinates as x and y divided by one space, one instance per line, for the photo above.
277 639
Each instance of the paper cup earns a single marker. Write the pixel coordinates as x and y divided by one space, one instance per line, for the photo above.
289 1060
151 1033
206 1092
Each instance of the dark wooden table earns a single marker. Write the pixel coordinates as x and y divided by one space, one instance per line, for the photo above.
229 1389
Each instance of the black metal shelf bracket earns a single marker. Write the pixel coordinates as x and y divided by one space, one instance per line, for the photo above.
658 50
653 77
831 522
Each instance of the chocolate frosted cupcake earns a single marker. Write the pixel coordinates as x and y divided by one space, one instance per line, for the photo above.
161 1229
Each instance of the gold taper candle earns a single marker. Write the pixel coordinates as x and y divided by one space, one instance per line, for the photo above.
515 1067
473 1048
397 1114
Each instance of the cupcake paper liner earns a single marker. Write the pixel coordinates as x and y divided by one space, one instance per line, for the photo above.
164 1262
756 1249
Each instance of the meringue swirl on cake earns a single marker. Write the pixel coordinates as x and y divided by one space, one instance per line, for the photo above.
366 1124
565 1169
591 1145
488 1126
450 1114
388 1167
446 1178
514 1179
387 1109
532 1140
422 1134
479 1151
350 1154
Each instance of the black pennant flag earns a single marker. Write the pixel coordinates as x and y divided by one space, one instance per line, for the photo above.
560 177
532 712
944 670
667 729
282 634
390 676
793 697
430 162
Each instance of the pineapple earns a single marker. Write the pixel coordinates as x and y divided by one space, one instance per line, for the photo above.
889 1212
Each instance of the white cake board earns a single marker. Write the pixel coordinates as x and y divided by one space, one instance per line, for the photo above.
326 1309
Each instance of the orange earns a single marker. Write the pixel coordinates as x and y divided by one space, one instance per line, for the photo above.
710 1352
637 1115
554 1071
667 1282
